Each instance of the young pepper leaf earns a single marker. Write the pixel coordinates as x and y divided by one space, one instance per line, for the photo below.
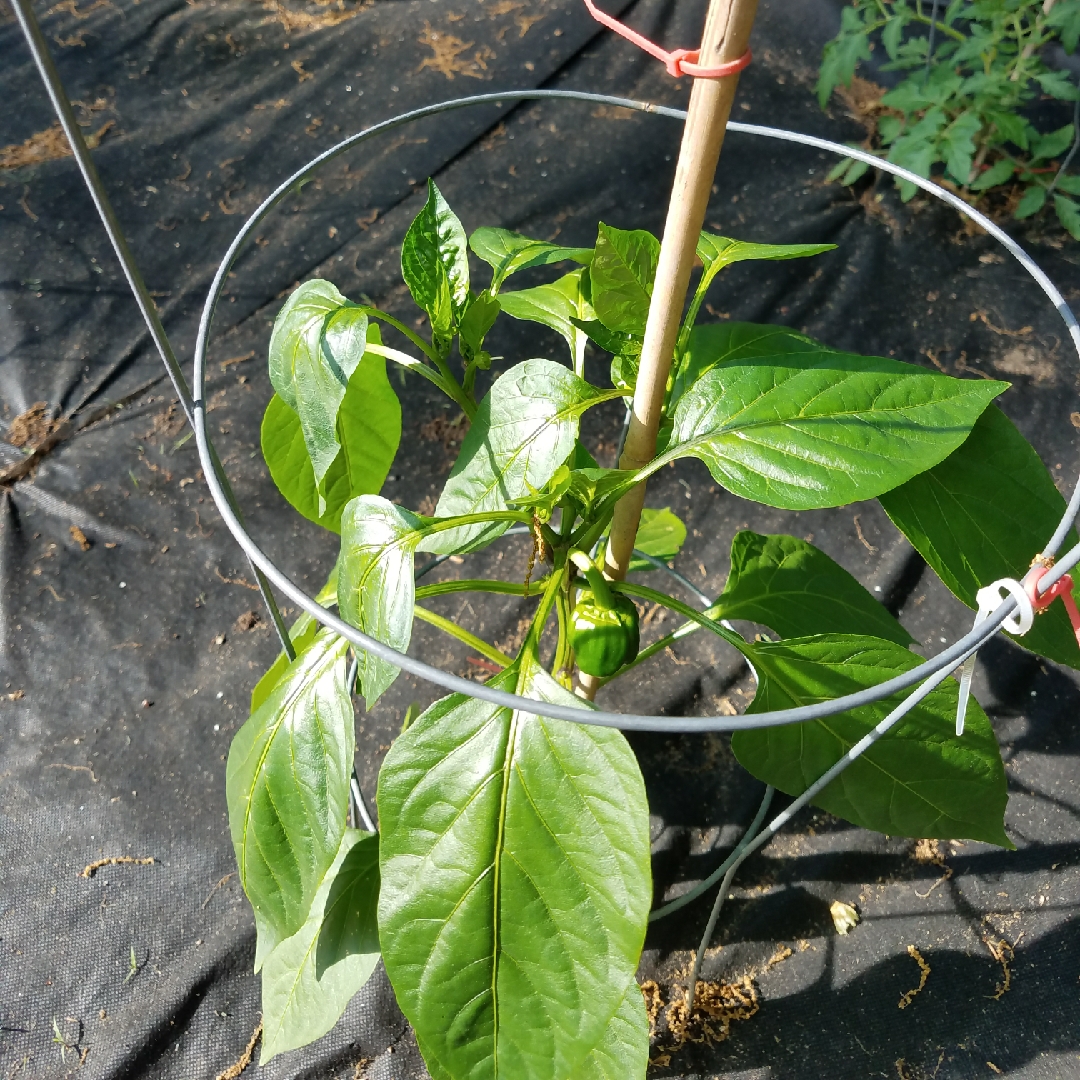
557 305
717 252
368 434
508 252
983 514
622 273
375 582
287 787
917 780
524 429
797 590
317 343
811 430
479 318
435 265
309 979
515 883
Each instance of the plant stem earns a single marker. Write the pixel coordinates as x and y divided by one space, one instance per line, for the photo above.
547 601
645 593
451 628
410 363
415 338
442 588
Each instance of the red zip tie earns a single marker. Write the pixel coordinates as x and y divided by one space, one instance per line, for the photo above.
680 62
1062 587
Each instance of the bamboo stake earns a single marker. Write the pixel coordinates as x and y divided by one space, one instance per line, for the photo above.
726 38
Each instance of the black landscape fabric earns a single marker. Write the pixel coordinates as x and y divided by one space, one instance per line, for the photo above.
130 634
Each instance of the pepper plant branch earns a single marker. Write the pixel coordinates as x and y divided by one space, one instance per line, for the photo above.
463 635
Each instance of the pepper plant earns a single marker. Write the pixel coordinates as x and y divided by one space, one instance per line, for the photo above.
963 108
508 888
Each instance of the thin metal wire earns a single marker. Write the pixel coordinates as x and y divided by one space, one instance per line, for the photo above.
704 886
944 661
43 60
751 844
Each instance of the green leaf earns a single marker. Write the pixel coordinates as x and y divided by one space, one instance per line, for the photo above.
317 343
716 252
368 434
1013 128
842 55
982 514
959 141
1052 144
587 487
622 273
1031 202
839 169
515 883
660 534
287 787
435 264
1068 214
309 979
719 343
1065 17
1058 84
917 780
809 430
302 634
623 1051
1068 182
375 582
508 252
796 590
1001 172
524 429
478 319
856 171
556 305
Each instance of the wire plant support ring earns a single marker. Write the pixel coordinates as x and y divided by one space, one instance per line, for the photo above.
942 664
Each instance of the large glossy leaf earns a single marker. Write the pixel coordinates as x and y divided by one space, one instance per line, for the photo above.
368 433
516 883
917 780
797 590
435 263
809 430
508 252
524 429
310 977
287 786
302 634
983 514
622 273
556 305
318 340
375 582
716 252
718 343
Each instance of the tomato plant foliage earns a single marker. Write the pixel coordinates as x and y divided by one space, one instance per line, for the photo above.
509 886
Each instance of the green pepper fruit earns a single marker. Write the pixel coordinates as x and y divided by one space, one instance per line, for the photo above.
604 624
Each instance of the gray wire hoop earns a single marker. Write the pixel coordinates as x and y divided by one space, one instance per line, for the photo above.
930 673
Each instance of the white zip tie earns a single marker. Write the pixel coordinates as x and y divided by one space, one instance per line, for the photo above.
989 599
